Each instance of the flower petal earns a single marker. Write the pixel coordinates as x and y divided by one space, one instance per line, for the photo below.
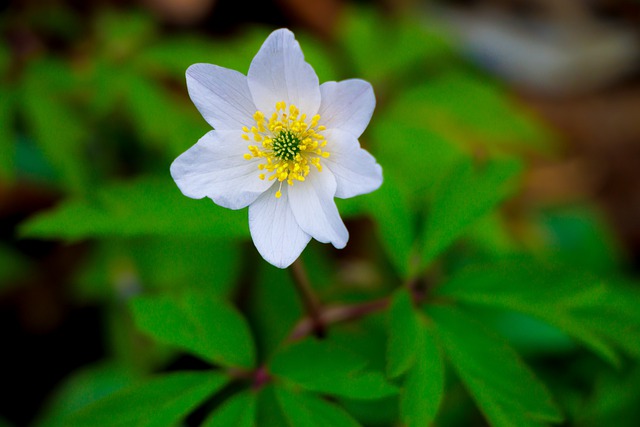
355 170
215 167
314 209
279 72
274 230
347 105
221 95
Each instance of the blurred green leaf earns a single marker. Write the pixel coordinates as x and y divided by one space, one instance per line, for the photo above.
413 156
504 388
463 197
161 401
146 207
269 412
395 224
274 307
342 372
166 122
406 42
575 302
614 401
58 130
81 389
404 334
468 108
306 410
122 34
7 135
199 323
578 236
423 388
174 55
237 411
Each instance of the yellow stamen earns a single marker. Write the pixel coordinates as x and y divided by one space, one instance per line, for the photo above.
289 144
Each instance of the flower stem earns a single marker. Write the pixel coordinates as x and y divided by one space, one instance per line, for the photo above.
308 298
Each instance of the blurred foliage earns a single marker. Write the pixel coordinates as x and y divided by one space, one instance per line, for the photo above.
476 302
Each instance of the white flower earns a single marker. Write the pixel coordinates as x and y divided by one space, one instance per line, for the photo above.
283 144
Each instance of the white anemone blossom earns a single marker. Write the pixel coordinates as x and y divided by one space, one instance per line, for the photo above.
282 144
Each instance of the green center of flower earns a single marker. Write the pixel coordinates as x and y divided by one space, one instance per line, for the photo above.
286 145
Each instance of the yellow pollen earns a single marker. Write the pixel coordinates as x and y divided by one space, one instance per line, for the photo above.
288 144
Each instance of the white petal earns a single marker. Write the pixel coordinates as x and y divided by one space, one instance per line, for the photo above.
215 168
274 230
347 105
221 95
314 209
279 72
355 170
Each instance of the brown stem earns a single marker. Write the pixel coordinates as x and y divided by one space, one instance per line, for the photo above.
337 314
309 300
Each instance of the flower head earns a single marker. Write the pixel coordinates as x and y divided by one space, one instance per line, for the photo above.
282 144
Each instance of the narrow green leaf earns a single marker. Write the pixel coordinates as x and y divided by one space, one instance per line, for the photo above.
269 412
404 334
57 129
504 388
198 323
424 384
306 410
554 296
326 368
237 411
463 197
162 401
146 207
394 222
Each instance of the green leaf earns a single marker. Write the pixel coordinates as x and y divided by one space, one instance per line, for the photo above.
463 197
306 410
394 222
7 135
237 411
198 323
269 412
146 207
424 384
81 389
404 334
168 123
553 295
162 401
471 107
57 129
504 388
406 41
326 368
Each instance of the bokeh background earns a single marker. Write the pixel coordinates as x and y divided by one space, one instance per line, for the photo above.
93 109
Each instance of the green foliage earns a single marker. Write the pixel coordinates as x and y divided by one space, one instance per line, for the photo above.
306 410
198 323
237 411
436 275
463 197
504 388
147 207
404 335
580 304
326 368
424 383
157 402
